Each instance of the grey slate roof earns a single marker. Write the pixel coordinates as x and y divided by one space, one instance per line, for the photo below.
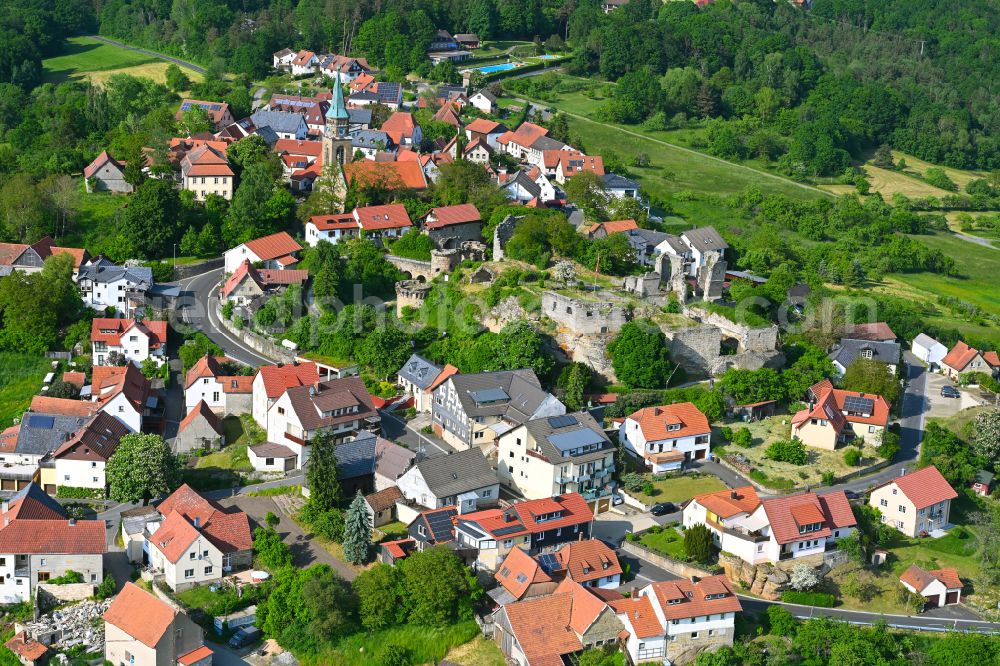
279 121
419 371
106 272
566 428
44 433
850 350
371 139
488 95
392 460
705 239
522 394
457 473
528 185
925 341
356 458
613 181
359 116
547 143
650 236
677 245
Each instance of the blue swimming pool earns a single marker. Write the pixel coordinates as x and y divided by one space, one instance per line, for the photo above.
499 68
548 57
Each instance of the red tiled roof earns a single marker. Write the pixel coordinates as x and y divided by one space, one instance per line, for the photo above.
400 124
215 110
174 536
483 126
26 647
588 560
692 597
924 487
949 577
195 655
523 514
110 331
960 356
831 404
877 331
390 216
97 440
278 378
640 614
723 503
542 627
550 158
108 382
228 530
296 147
446 114
332 222
786 515
384 499
992 358
398 549
206 366
77 379
303 57
653 421
573 164
448 215
391 175
273 246
917 578
53 536
615 227
98 162
527 134
140 615
63 406
519 571
201 409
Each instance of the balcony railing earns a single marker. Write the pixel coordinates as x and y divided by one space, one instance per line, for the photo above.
21 572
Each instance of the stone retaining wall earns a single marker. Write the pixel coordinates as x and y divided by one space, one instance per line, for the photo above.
666 563
276 353
189 270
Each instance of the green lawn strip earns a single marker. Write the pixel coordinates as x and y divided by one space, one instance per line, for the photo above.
667 541
83 54
978 268
21 378
480 651
685 168
678 489
392 531
232 457
424 645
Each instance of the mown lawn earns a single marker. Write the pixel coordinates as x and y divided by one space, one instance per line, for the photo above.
424 645
21 378
678 489
667 541
479 651
83 54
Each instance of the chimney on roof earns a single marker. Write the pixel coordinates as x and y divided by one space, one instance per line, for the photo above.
694 579
733 494
197 522
635 593
72 522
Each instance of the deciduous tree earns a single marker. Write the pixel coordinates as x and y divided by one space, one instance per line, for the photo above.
141 468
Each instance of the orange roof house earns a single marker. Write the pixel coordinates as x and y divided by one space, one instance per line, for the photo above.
402 128
603 229
446 216
141 628
963 358
377 220
940 587
277 251
388 175
667 436
837 416
916 503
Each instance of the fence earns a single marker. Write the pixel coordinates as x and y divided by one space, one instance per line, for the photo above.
59 355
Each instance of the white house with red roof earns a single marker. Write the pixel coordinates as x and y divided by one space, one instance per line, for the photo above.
488 131
81 461
106 174
126 394
667 436
342 406
271 381
331 228
247 283
591 563
536 525
387 221
140 629
39 541
136 340
205 170
939 587
570 164
672 621
518 142
771 530
277 251
836 417
916 503
304 62
222 392
962 359
403 129
191 540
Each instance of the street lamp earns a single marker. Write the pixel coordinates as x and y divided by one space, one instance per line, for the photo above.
175 255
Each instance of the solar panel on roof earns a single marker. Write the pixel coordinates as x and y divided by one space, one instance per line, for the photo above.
41 421
440 523
548 562
490 395
853 403
575 439
562 421
508 530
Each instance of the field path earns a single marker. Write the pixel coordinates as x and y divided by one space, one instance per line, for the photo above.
674 146
176 61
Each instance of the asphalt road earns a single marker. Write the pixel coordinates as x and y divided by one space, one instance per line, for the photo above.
196 307
182 63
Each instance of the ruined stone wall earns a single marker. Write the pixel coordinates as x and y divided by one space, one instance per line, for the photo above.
584 317
696 349
502 234
749 338
410 293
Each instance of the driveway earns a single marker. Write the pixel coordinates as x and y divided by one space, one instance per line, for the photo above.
612 527
305 551
396 428
942 407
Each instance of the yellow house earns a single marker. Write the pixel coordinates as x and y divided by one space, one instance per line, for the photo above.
837 417
916 503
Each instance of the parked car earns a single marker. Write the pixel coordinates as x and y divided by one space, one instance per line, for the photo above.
851 495
662 508
244 636
950 392
616 499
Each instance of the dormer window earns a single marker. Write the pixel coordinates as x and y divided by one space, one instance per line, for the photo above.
867 354
673 427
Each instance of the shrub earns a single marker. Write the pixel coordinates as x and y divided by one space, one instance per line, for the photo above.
852 456
743 438
648 489
938 178
73 492
828 478
782 622
726 433
68 578
633 481
698 543
820 599
107 588
790 451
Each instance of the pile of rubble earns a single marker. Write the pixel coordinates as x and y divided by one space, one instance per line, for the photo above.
77 624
